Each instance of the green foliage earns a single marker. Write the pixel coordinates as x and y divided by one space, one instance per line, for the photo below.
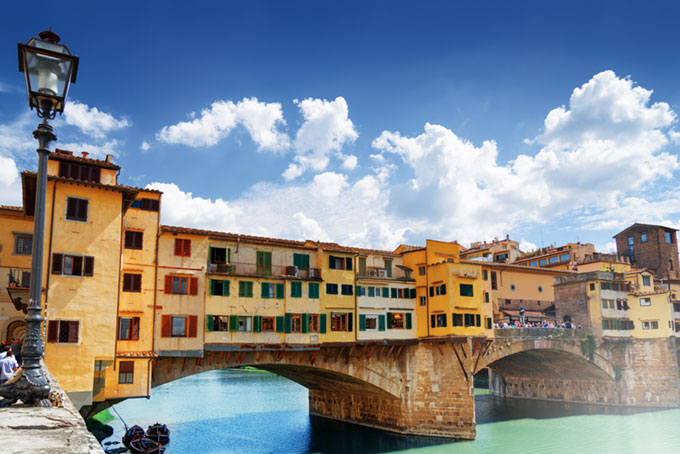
588 347
617 373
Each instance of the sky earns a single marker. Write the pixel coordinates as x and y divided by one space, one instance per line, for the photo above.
370 124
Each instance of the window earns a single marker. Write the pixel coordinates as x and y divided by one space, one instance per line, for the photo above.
466 290
296 289
314 290
219 255
133 239
501 257
339 263
456 319
128 328
564 258
388 267
630 241
267 324
438 320
423 300
592 286
126 372
72 265
296 323
346 289
146 204
76 209
22 244
132 282
331 289
421 270
341 321
245 289
540 289
313 323
219 287
179 325
245 324
361 291
182 247
554 259
650 324
668 236
272 290
645 301
646 281
63 331
494 282
301 261
370 322
79 171
438 290
469 319
543 262
485 275
384 291
396 320
264 263
181 285
217 323
608 304
486 297
534 263
643 238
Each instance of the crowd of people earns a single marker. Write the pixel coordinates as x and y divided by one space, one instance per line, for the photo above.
10 359
542 324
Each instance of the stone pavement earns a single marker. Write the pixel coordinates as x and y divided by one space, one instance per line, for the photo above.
25 429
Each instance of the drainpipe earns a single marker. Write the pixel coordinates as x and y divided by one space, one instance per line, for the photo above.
49 262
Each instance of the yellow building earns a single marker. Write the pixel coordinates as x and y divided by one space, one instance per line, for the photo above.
559 258
386 296
16 246
650 306
450 294
497 251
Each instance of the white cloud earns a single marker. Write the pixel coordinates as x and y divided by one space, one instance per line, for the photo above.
607 143
674 136
95 151
349 162
325 130
260 119
92 121
145 146
10 183
527 246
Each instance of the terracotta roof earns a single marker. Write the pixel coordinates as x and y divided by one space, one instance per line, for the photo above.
91 183
517 267
11 208
334 247
374 251
235 237
137 354
63 155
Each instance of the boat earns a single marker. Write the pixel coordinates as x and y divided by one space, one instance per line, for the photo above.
143 445
132 433
159 433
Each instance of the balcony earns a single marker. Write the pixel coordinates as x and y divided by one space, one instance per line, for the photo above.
19 278
262 270
539 333
400 273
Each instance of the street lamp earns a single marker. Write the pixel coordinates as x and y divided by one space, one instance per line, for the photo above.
49 68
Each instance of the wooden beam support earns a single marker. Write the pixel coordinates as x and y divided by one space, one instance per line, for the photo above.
184 364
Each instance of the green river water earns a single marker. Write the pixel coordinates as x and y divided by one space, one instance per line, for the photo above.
240 411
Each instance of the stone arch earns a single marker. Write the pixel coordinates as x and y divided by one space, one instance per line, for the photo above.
16 329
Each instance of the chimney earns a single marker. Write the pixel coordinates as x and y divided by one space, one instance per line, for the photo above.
109 158
85 153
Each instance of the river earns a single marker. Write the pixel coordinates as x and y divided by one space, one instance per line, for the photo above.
242 411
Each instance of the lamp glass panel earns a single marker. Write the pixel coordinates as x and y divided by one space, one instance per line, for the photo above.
48 75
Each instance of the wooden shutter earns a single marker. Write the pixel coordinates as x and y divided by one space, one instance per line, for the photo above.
362 322
126 367
389 320
193 325
265 290
443 289
128 239
381 322
211 289
166 325
53 331
168 285
233 323
288 322
348 263
280 291
186 250
193 285
393 292
225 288
209 323
178 246
82 209
478 320
305 323
134 328
322 323
57 260
257 323
408 320
349 322
71 208
413 293
279 324
433 320
73 331
88 269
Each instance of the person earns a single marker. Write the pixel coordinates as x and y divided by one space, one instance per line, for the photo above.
8 365
16 349
3 350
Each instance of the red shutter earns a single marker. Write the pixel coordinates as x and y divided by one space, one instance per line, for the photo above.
52 331
187 248
193 325
178 246
128 239
71 210
194 286
168 284
82 209
135 329
73 331
126 282
126 367
89 266
56 263
166 322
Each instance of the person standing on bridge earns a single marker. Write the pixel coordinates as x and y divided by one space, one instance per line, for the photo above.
8 365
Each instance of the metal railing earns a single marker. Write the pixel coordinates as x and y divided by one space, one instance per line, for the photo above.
539 333
19 278
258 269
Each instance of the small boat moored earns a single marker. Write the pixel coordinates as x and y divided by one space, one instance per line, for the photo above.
143 445
159 433
132 433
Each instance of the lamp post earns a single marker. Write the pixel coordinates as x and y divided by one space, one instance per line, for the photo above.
49 68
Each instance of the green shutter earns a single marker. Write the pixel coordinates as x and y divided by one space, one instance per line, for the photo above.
362 266
381 322
371 291
478 320
389 320
279 324
313 290
212 286
488 323
241 288
280 291
408 320
322 323
486 297
413 293
228 255
349 322
288 322
362 322
265 290
225 288
208 322
257 323
385 292
233 323
393 292
305 323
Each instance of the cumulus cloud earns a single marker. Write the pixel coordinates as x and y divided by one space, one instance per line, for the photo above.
96 151
607 143
145 146
10 183
92 121
325 130
260 119
527 246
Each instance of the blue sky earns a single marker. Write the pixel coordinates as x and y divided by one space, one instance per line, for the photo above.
370 123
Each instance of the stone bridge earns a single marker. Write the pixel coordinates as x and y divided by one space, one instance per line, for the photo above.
425 386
